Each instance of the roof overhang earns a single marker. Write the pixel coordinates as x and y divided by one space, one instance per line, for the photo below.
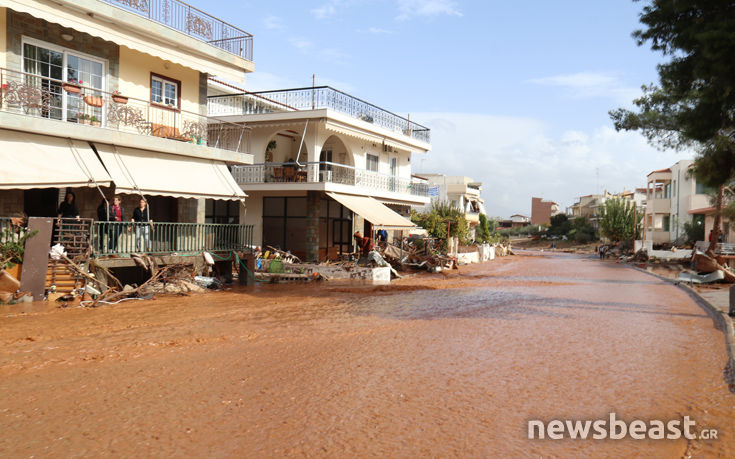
124 28
334 121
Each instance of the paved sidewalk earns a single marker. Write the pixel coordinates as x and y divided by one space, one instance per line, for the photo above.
719 298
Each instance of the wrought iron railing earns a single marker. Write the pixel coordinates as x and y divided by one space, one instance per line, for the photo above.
120 238
43 97
73 234
193 22
312 99
327 172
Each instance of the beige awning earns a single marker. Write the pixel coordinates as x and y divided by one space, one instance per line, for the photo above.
373 211
39 161
152 173
68 16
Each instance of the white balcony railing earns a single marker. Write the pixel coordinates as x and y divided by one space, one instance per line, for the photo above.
312 99
327 172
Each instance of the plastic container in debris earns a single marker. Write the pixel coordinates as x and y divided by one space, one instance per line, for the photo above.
207 282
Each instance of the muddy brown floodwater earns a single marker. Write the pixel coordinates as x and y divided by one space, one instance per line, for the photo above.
435 365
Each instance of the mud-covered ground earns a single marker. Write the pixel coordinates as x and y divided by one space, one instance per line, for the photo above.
436 365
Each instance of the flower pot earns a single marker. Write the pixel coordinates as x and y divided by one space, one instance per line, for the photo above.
94 101
71 88
95 123
15 270
120 99
8 283
82 121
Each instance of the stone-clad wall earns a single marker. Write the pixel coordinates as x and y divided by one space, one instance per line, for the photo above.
21 24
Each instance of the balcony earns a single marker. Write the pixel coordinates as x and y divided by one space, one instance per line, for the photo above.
319 97
192 22
327 172
41 97
162 238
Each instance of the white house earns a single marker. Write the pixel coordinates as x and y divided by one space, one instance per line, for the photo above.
672 196
327 164
461 191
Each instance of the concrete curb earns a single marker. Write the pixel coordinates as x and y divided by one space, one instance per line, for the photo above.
723 320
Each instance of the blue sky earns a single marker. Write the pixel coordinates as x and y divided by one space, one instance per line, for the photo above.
516 93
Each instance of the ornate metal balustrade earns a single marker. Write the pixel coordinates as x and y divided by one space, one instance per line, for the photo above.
193 22
327 172
312 99
38 96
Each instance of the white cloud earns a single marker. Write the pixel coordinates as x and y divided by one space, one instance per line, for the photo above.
301 43
263 81
273 23
379 31
407 9
585 85
518 158
324 11
410 8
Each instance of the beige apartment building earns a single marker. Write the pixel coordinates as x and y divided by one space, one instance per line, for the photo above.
104 97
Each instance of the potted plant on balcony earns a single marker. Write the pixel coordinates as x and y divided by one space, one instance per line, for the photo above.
94 121
82 118
94 101
119 98
72 86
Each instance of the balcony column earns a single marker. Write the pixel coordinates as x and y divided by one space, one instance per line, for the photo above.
313 209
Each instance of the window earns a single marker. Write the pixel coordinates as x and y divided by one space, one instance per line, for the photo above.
702 189
372 163
165 91
666 223
47 66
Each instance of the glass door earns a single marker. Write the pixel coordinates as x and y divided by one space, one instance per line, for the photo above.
393 173
43 95
86 106
46 69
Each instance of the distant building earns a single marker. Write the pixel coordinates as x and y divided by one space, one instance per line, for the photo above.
673 198
542 211
590 206
459 190
519 220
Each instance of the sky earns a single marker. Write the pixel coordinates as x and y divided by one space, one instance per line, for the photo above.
516 94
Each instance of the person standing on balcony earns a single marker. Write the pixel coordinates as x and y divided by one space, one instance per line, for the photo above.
116 215
142 220
68 208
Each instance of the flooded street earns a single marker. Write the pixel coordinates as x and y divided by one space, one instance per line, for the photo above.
435 365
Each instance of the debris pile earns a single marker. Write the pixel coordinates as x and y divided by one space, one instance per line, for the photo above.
9 289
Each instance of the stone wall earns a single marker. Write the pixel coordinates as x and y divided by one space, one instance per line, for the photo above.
313 210
11 203
21 24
